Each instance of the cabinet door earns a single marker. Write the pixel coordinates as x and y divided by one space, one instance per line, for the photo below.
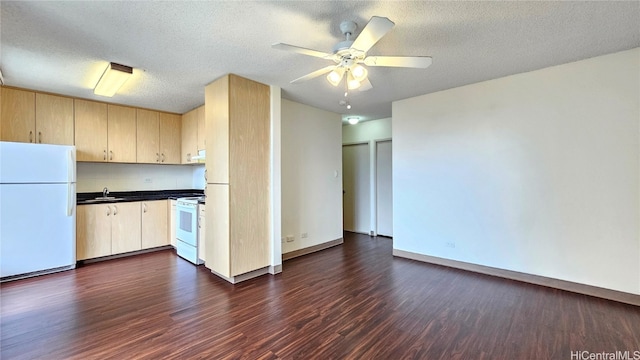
91 130
93 231
125 227
18 115
216 239
189 136
217 130
170 138
154 224
54 119
148 136
122 133
201 128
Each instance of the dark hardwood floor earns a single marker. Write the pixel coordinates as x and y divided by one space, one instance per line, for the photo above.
353 301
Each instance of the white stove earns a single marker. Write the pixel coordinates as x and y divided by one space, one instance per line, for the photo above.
187 239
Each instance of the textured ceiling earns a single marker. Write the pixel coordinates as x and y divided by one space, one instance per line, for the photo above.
179 47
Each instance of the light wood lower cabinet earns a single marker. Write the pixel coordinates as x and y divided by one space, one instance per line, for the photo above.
125 227
93 231
154 224
107 229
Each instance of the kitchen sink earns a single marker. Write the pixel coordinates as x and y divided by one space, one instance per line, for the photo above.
103 199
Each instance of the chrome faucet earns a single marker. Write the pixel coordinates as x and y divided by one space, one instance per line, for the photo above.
105 192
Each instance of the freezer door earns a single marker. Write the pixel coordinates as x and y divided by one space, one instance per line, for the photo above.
37 163
36 232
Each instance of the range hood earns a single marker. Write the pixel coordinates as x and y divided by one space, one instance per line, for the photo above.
200 157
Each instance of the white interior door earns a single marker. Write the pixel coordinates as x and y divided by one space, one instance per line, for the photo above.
384 193
355 183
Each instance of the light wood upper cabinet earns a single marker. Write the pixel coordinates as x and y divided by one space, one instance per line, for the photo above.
93 231
190 135
37 118
217 130
91 130
158 137
54 120
154 224
121 134
148 135
125 227
170 138
18 115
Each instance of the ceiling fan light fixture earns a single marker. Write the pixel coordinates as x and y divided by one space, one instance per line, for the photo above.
335 76
359 72
352 83
112 79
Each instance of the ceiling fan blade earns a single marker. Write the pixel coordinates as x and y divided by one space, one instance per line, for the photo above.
375 29
365 85
314 74
420 62
301 50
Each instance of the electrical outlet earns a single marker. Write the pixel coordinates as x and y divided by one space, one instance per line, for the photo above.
450 244
304 235
148 181
290 238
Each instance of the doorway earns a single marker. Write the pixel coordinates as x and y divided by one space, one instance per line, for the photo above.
367 187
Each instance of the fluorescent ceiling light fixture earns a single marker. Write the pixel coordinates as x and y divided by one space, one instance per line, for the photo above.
353 120
112 79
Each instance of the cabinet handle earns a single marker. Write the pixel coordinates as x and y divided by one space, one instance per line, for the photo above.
115 210
157 157
110 155
144 208
162 157
189 157
108 210
199 220
30 136
40 137
105 155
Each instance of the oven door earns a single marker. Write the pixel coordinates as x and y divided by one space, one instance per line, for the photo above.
187 224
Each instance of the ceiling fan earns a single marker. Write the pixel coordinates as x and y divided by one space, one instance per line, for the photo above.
348 55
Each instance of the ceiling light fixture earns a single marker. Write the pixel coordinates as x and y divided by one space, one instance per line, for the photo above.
352 83
335 76
353 120
359 72
112 79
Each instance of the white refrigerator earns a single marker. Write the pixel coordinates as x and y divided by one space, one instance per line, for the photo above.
37 209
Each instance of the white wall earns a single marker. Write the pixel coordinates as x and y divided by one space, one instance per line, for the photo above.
370 132
537 172
311 175
367 131
276 178
94 177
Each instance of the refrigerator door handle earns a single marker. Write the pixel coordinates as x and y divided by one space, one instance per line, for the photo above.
71 166
71 199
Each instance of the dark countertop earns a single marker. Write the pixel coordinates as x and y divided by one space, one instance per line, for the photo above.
129 196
